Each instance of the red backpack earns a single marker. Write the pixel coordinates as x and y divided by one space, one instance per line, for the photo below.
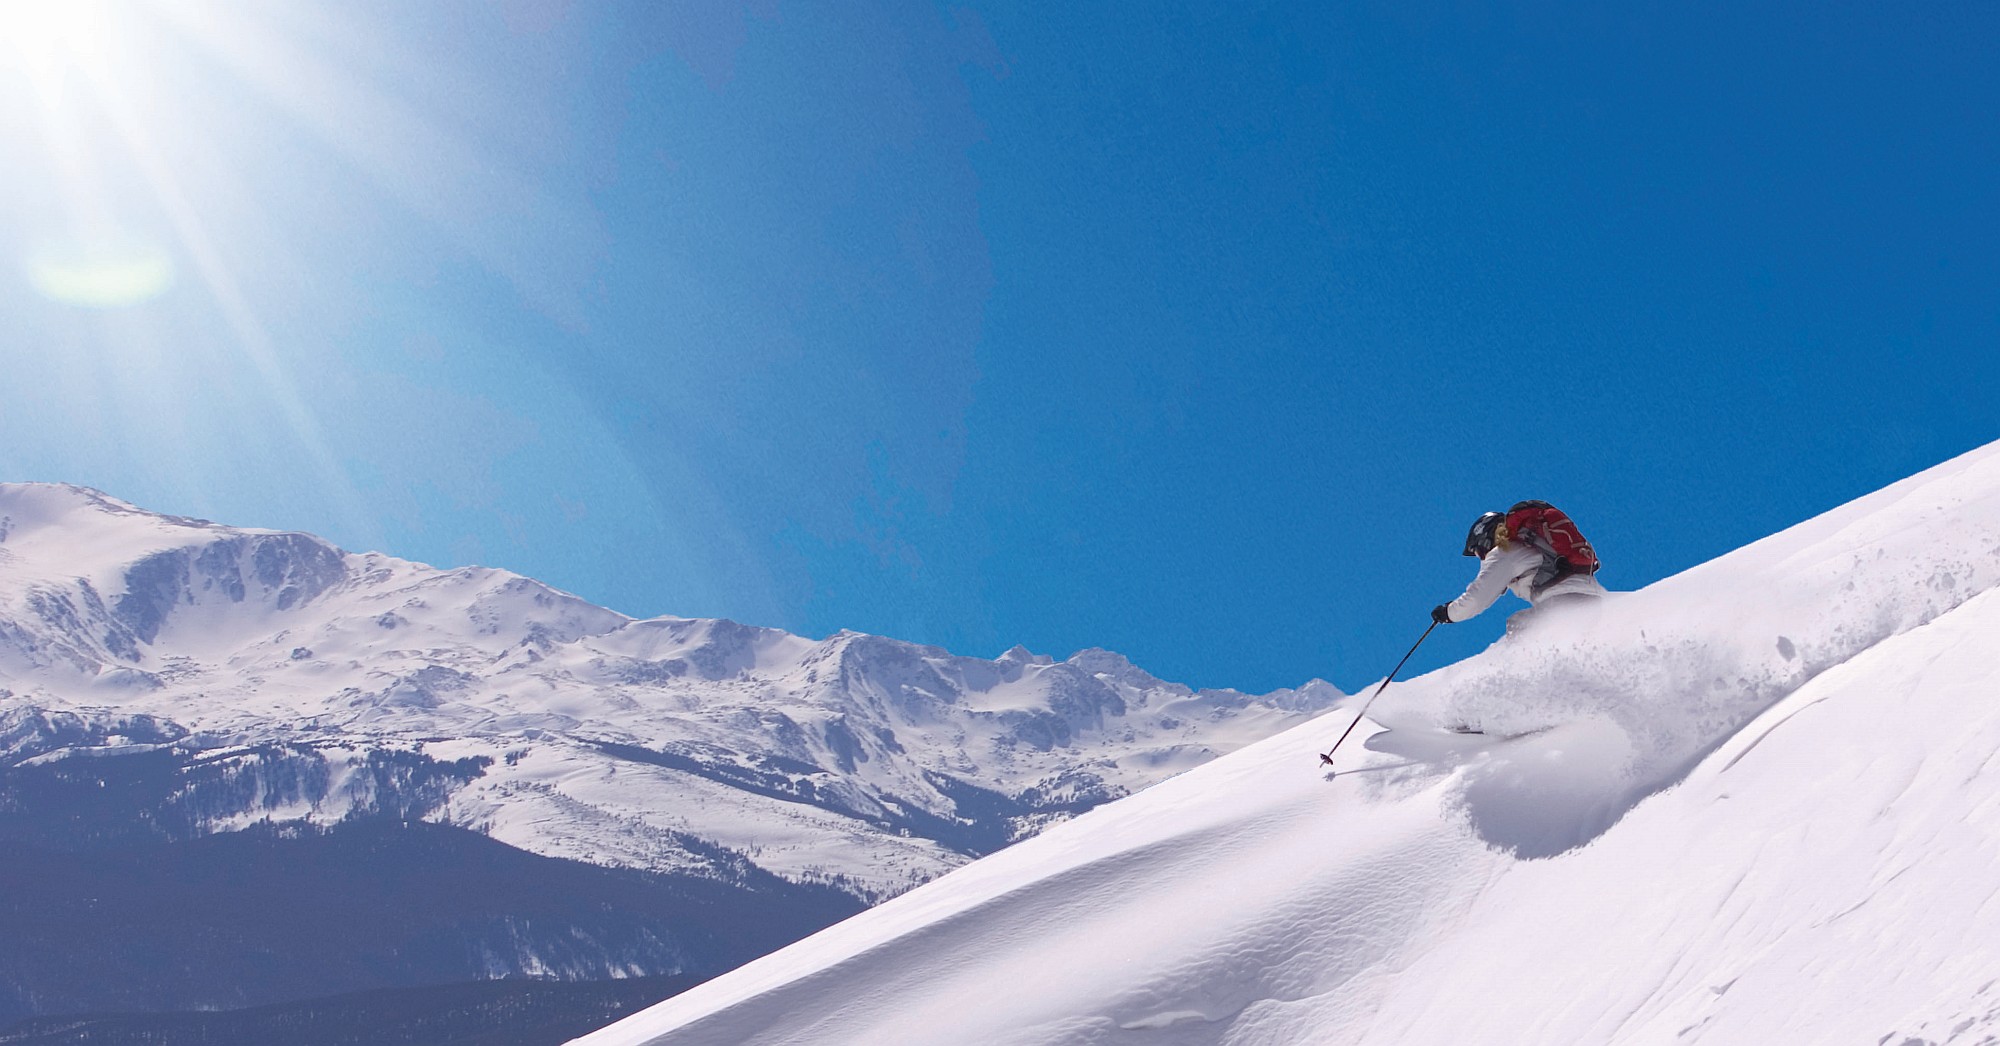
1545 527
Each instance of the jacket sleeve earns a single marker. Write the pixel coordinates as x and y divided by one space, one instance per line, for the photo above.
1500 568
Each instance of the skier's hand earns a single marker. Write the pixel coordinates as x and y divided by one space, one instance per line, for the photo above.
1441 613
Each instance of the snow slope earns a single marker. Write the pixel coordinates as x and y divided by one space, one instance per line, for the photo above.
1766 812
672 744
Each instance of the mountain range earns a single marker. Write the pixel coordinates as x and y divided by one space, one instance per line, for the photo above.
242 767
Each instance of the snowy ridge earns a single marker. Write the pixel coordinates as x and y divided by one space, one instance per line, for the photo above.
857 760
1766 811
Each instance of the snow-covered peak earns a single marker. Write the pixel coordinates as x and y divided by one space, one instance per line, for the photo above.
1020 655
35 507
87 532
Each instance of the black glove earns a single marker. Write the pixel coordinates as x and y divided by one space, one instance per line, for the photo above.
1441 613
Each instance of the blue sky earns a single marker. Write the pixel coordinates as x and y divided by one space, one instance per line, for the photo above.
1195 332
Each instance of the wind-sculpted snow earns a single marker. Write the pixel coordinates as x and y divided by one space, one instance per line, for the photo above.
856 760
1760 806
1646 683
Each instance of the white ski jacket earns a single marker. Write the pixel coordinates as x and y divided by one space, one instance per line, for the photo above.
1515 568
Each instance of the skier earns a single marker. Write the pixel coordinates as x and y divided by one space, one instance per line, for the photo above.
1533 549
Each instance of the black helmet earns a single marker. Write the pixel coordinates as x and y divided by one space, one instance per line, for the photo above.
1479 540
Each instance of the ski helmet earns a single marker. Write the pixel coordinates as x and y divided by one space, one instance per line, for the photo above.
1479 540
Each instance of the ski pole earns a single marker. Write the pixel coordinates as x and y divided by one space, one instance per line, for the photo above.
1326 757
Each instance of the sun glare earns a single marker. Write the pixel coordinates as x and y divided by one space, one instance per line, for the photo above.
135 136
48 34
63 51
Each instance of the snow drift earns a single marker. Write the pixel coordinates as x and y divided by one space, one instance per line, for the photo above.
1761 808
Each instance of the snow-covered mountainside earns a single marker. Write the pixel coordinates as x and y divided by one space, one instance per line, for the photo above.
1761 805
289 671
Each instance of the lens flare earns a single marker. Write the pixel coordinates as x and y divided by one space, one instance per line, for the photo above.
100 272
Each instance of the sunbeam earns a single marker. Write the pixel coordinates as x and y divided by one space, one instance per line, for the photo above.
223 223
102 92
543 247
